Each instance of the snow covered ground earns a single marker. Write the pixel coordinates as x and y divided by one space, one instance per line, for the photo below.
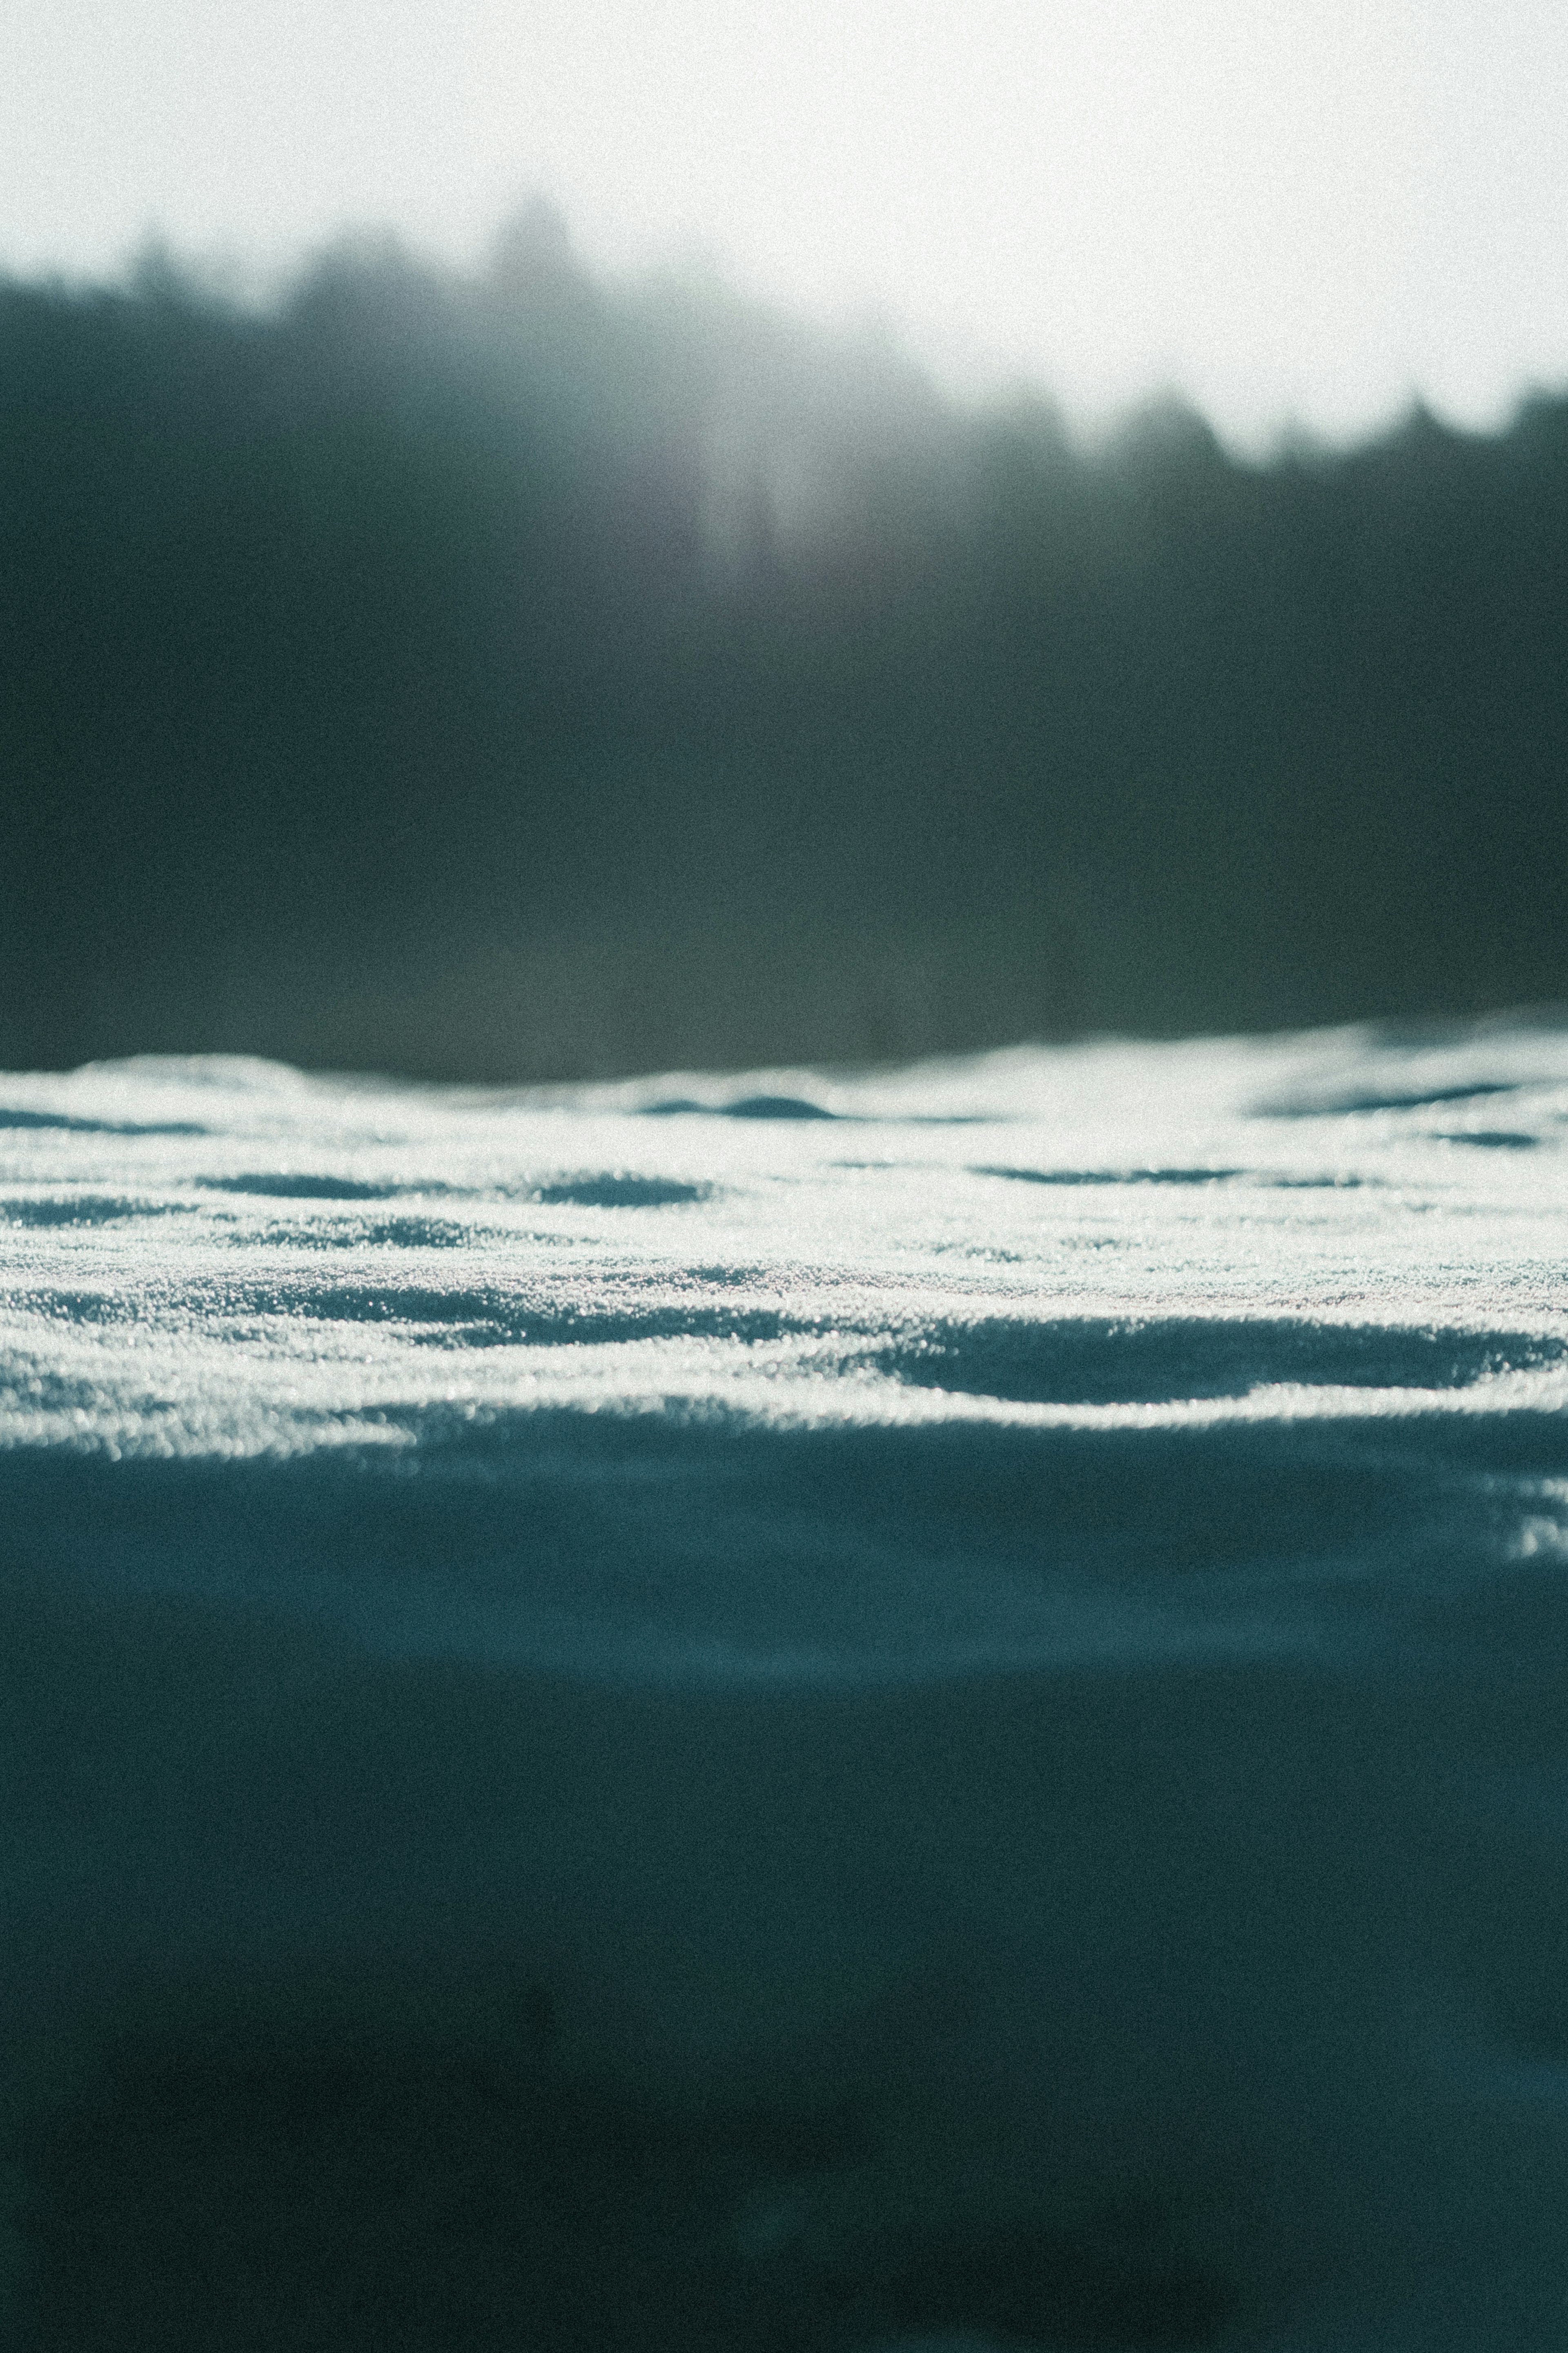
798 1712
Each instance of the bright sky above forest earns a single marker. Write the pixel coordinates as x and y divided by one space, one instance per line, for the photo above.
1294 211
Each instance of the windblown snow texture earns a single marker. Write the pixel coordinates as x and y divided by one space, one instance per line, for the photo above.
636 1719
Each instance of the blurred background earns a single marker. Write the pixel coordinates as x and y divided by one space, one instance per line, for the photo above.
539 542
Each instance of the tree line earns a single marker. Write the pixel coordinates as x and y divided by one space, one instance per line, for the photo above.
509 673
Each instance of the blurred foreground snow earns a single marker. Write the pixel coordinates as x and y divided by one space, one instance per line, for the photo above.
919 1710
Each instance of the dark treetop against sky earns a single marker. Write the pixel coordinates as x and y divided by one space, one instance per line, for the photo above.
1302 213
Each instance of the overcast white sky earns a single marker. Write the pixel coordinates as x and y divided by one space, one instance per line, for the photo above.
1300 211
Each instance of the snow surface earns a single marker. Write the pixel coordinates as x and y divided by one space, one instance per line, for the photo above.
919 1709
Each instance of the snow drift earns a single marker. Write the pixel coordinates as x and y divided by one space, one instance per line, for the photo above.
794 1712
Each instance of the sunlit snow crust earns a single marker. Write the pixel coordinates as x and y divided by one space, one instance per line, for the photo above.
794 1711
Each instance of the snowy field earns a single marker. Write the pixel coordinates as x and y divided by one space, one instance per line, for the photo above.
799 1712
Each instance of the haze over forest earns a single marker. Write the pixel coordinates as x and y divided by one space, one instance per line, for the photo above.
518 674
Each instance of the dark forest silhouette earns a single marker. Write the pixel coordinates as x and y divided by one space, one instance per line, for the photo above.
514 675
